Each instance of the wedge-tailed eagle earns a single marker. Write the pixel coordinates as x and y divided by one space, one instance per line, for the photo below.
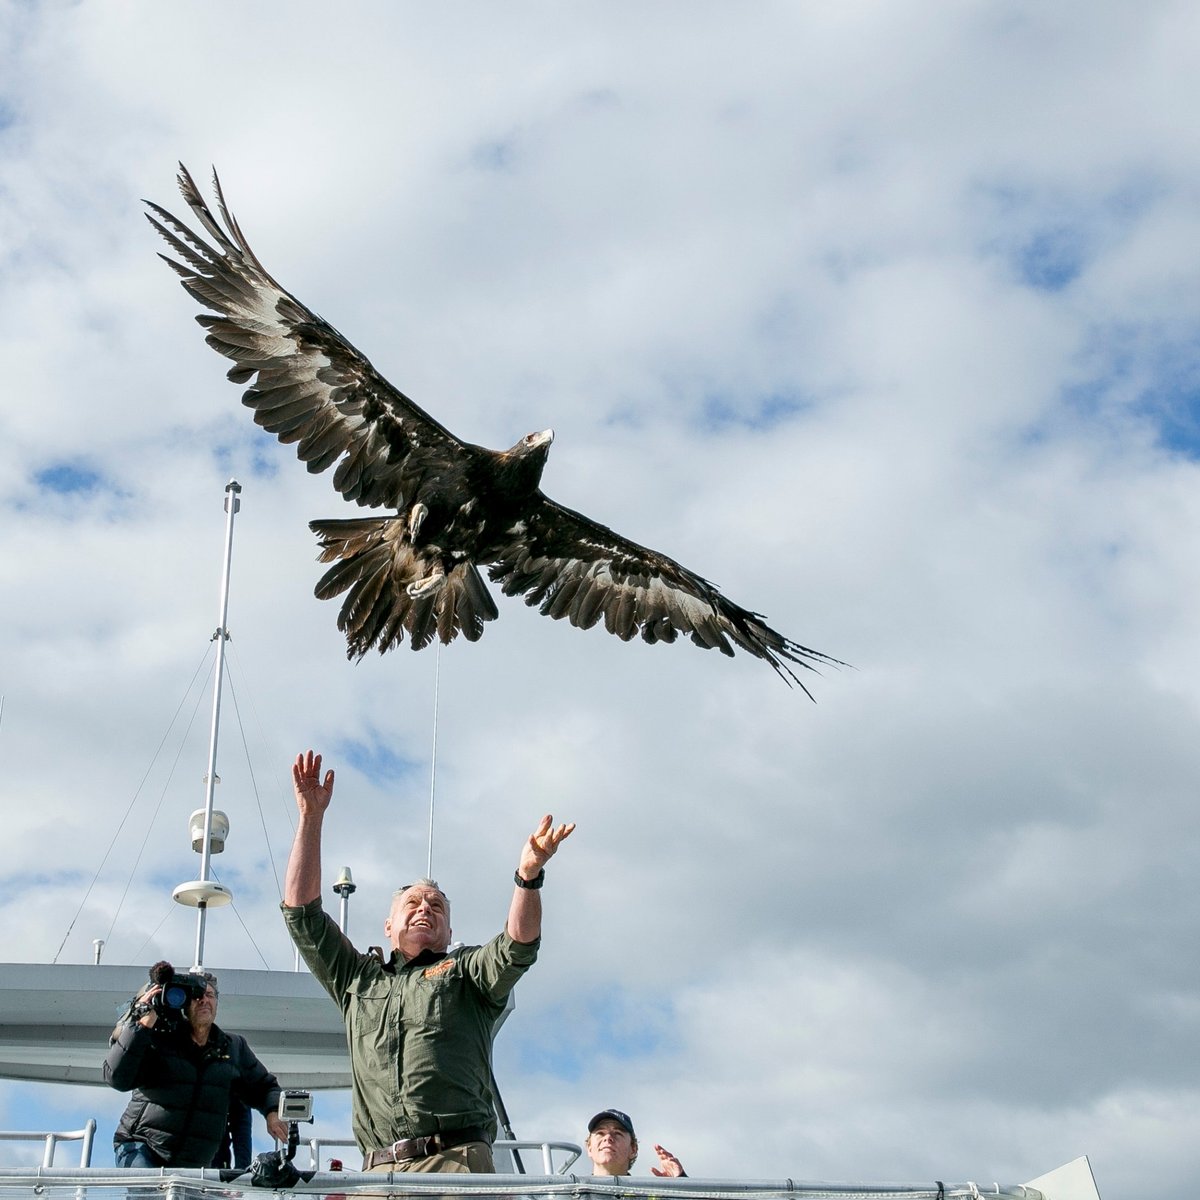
454 507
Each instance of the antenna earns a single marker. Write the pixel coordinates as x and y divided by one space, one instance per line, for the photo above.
345 888
437 681
202 892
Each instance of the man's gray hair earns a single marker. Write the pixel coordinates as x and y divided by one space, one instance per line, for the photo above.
424 881
211 980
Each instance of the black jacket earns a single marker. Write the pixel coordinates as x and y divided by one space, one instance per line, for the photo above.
181 1091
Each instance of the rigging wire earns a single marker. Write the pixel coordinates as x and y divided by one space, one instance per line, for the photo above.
257 949
262 819
437 682
258 802
284 796
171 909
128 811
157 809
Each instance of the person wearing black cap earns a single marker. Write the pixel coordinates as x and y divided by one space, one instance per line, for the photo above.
612 1146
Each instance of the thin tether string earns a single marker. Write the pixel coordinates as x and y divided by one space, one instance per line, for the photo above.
437 679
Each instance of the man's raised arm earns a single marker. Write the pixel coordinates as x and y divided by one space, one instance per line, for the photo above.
525 912
303 881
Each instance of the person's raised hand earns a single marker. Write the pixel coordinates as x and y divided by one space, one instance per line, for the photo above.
542 845
312 793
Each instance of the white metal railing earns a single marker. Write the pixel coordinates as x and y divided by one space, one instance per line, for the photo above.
114 1183
85 1136
546 1151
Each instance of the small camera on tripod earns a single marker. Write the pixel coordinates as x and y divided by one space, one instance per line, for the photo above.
295 1106
275 1169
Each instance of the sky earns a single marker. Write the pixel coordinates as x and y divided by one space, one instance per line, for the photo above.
883 317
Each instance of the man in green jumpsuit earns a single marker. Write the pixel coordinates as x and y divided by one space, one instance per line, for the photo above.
419 1024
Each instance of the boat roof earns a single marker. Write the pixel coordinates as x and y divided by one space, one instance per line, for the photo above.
56 1021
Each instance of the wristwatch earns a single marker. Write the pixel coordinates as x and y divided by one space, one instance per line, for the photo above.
530 885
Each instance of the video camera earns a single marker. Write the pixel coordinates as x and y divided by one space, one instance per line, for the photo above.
275 1169
176 991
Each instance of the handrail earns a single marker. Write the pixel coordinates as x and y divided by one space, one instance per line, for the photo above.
116 1183
86 1136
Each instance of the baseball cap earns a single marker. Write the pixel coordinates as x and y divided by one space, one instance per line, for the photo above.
613 1114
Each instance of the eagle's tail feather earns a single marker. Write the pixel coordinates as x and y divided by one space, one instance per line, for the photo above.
374 563
422 618
475 605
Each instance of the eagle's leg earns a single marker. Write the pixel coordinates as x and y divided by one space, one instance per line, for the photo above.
416 518
431 582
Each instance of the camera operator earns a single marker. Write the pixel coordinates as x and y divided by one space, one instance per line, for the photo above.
183 1070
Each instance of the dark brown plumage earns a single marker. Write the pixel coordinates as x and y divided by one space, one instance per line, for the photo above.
455 507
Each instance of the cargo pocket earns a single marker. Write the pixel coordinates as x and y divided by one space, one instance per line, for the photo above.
373 1038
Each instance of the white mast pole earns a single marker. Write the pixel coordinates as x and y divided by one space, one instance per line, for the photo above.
232 504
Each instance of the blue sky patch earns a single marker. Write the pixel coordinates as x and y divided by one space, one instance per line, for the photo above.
614 1024
1149 376
758 414
69 479
255 451
1051 259
1048 239
1172 402
377 761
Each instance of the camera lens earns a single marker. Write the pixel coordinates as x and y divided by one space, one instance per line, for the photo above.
174 996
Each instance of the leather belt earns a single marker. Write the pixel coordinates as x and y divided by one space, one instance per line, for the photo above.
421 1147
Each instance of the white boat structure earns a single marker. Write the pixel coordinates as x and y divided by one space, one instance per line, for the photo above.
55 1022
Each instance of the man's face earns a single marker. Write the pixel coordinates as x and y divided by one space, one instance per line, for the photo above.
420 920
612 1148
203 1010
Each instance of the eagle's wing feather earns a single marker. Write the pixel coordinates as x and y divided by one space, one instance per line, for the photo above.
571 566
314 389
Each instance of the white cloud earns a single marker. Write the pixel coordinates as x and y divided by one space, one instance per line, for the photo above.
882 318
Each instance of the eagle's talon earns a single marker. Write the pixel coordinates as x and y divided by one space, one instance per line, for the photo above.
431 582
416 518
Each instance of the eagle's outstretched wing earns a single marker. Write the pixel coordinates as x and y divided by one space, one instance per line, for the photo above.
414 573
314 388
571 566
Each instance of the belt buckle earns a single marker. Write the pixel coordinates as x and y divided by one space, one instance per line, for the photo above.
396 1148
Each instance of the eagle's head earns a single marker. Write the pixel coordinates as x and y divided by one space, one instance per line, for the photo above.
534 444
523 463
